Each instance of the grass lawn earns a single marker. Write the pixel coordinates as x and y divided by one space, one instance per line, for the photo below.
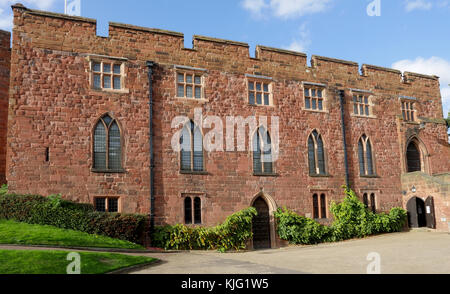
55 262
15 233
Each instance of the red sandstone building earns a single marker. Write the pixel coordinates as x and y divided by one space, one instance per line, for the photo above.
91 117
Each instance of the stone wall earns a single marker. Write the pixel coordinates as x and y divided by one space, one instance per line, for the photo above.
5 56
53 106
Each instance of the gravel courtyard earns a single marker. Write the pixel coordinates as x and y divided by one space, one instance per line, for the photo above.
415 252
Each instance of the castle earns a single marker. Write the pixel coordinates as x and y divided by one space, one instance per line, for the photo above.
92 118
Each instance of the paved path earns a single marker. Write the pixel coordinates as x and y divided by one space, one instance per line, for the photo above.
415 252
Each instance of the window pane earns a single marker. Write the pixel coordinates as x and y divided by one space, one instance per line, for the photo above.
361 109
266 99
180 91
198 92
257 164
198 80
362 168
188 211
251 86
320 104
117 83
366 200
319 93
180 78
97 67
106 68
197 210
355 108
186 149
311 156
107 82
313 93
189 91
100 204
259 99
323 206
315 206
314 104
266 88
251 98
321 156
306 92
355 99
198 150
97 82
369 159
100 146
367 111
117 68
107 119
114 147
188 79
113 205
373 203
308 103
258 86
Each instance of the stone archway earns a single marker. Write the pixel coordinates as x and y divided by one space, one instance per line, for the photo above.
264 224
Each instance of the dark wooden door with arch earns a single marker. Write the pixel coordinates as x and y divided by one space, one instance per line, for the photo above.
430 215
261 225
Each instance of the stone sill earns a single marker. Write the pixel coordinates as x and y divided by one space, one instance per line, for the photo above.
198 173
265 175
320 176
201 100
104 171
256 105
111 91
363 116
315 111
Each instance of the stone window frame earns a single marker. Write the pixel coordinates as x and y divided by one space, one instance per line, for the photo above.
365 142
107 198
192 72
262 80
92 59
316 155
408 109
254 136
122 145
310 87
192 147
321 207
193 196
371 205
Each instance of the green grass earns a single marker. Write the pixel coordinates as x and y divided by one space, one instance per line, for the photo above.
15 233
55 262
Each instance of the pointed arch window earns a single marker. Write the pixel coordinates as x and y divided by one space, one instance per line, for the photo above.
191 142
366 167
316 154
413 158
107 145
262 152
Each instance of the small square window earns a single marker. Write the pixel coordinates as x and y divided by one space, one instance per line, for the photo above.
314 98
97 67
117 69
107 76
188 79
106 68
198 80
100 204
189 86
259 93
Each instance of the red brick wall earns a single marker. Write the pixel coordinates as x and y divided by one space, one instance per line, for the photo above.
53 106
5 56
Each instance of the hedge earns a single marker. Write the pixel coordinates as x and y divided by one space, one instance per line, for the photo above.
63 214
233 234
352 220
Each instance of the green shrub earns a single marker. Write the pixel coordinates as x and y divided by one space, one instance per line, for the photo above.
351 220
233 234
55 211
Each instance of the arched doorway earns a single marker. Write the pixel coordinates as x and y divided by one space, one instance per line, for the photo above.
417 213
261 225
413 158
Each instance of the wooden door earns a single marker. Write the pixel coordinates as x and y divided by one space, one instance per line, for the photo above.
412 213
261 225
430 215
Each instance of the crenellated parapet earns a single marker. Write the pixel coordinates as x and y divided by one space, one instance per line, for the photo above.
61 32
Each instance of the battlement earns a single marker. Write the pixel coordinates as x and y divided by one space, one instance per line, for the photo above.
78 34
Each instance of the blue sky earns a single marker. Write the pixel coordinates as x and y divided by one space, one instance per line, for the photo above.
409 35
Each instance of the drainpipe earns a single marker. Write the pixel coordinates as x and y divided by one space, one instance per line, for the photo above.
342 101
150 65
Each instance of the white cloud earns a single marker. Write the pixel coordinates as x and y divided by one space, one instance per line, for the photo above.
431 66
6 17
286 8
417 5
302 42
